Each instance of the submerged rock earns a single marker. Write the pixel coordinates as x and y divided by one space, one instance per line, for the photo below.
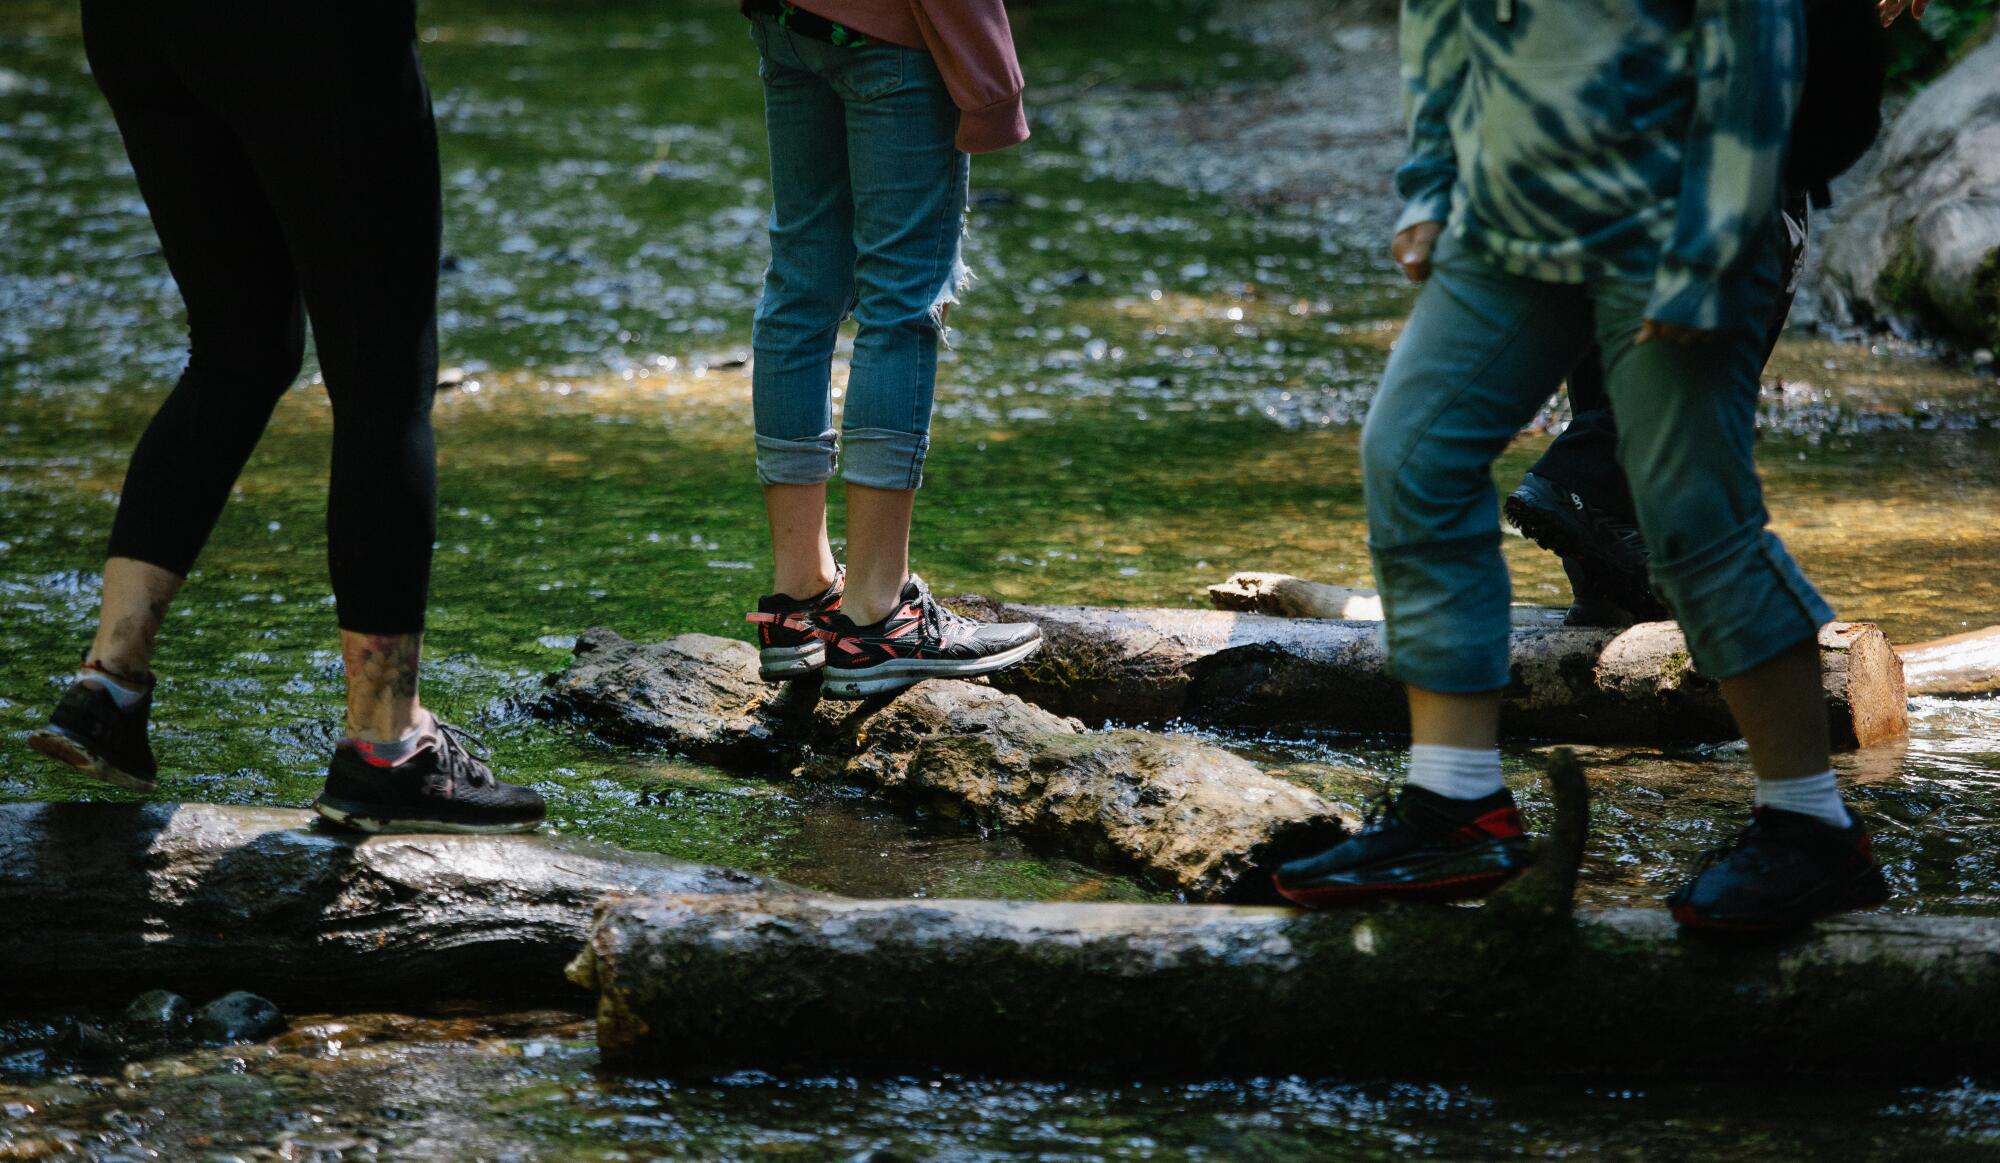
237 1017
157 1007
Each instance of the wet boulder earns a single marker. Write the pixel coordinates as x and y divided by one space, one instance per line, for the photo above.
1919 247
240 1016
1178 813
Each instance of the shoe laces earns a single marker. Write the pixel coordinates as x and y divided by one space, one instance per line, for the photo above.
940 624
463 754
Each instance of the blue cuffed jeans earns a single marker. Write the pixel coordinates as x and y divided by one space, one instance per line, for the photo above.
867 206
1483 350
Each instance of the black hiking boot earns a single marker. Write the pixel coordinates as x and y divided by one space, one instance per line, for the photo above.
442 787
90 732
918 640
1610 553
1417 846
787 647
1591 600
1782 871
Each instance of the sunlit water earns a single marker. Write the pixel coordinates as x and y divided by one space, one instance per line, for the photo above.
1148 390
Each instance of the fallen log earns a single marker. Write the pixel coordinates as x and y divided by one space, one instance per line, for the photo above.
1179 814
780 982
104 900
1963 664
1283 596
1136 665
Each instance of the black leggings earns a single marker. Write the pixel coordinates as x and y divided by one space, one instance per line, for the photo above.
287 153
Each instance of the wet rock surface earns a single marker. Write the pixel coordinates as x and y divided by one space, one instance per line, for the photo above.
236 1017
1919 244
1184 815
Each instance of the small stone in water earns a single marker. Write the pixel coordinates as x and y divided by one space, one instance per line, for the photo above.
236 1017
157 1007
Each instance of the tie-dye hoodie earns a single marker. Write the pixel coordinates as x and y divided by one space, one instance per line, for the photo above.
1569 140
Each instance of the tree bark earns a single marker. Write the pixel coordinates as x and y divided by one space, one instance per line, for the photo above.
783 982
1963 664
1137 665
108 900
1177 813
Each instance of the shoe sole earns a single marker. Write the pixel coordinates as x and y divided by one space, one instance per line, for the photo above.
785 663
380 821
1863 891
884 677
1559 537
66 749
1454 888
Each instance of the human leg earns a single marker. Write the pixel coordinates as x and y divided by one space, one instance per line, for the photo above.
1480 353
246 338
808 290
1576 503
1751 618
909 188
338 126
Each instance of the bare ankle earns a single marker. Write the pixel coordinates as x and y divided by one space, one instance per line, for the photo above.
799 586
127 671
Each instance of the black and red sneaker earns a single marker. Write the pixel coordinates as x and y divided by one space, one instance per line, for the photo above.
89 731
1417 846
918 640
441 786
787 645
1782 871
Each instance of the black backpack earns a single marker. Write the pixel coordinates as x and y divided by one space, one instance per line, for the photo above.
1840 111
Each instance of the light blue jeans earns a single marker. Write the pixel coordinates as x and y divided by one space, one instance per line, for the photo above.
1482 352
867 206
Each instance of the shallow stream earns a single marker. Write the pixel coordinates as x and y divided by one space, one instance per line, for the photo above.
1150 388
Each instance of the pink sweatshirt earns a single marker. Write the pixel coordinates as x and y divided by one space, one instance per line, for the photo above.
973 47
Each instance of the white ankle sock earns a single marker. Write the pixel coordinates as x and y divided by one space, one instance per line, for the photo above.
125 694
1814 795
1459 773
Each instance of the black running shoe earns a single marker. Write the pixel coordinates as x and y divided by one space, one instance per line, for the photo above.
1417 846
443 787
787 646
919 640
1782 871
1610 549
91 733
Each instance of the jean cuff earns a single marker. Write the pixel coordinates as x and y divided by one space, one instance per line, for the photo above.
1742 605
1447 624
883 458
797 462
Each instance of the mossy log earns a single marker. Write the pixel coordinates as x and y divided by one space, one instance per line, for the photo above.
108 900
694 982
1137 665
1177 813
1963 664
780 982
